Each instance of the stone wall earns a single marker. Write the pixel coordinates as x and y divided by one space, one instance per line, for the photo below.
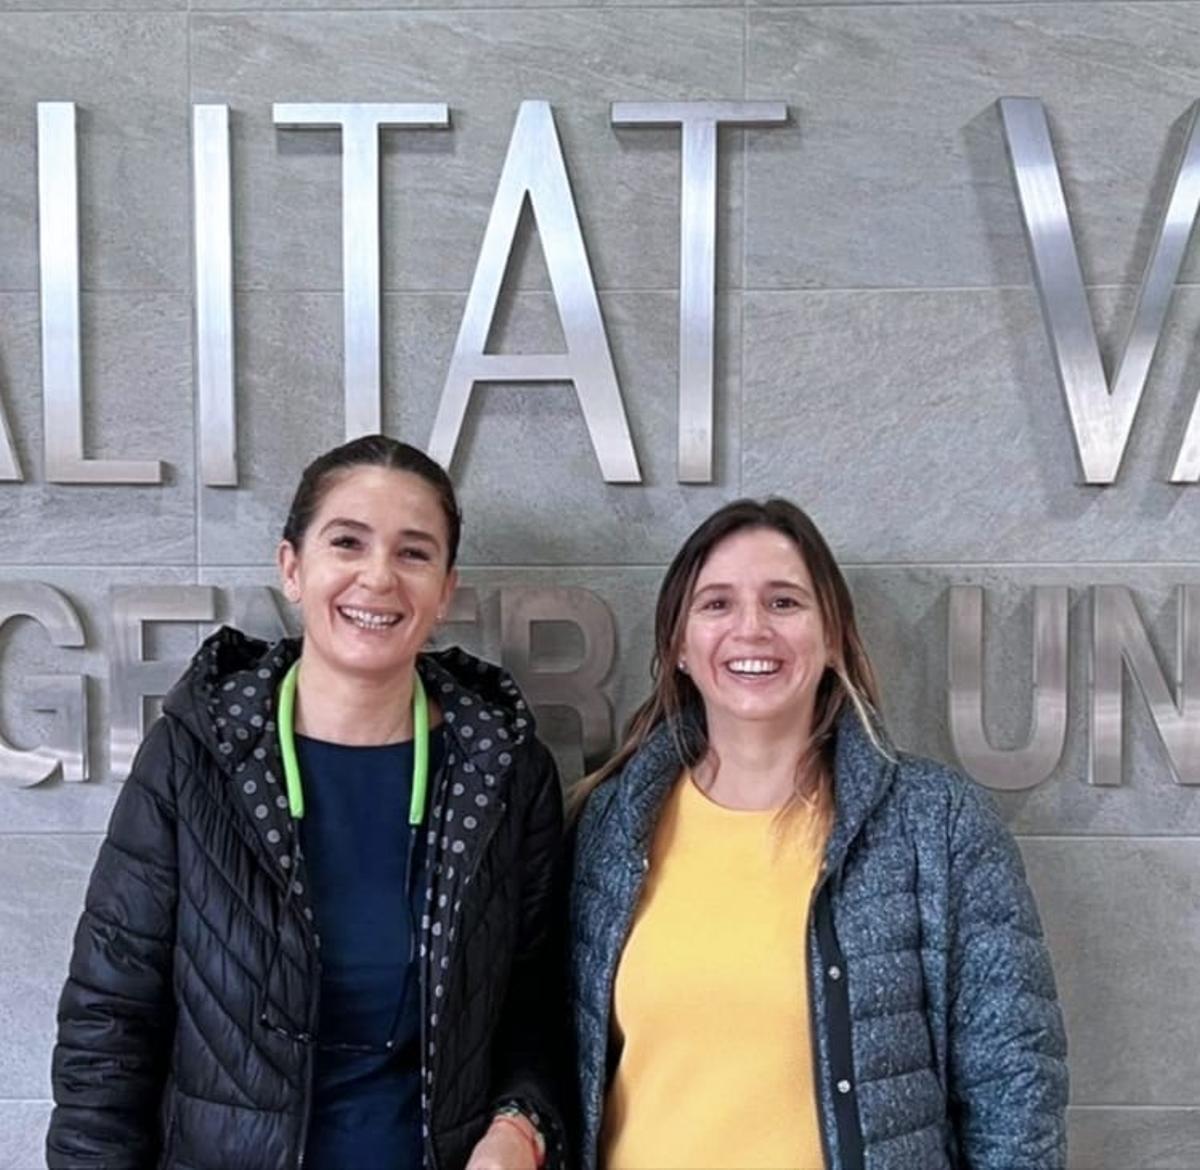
881 359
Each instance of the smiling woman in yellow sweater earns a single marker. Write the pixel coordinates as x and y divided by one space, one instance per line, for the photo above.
793 947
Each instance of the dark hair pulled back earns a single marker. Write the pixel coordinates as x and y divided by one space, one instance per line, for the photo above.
371 451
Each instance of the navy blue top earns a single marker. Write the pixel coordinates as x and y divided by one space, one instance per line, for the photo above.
365 884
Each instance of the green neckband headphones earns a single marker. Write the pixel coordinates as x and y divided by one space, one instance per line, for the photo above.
286 721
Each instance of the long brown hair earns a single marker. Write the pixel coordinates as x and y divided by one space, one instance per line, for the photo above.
849 680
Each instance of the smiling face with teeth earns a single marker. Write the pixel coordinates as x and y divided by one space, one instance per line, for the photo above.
371 574
754 641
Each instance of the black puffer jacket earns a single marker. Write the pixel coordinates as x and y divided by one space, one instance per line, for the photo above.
185 1025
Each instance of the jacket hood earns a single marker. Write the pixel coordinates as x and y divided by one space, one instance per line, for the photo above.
227 700
227 696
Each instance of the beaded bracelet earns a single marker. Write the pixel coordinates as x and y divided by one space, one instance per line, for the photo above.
515 1119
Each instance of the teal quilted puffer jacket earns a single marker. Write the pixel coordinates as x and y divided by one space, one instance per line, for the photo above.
938 1038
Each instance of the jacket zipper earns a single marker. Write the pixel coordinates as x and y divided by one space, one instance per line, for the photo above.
426 1087
309 1061
639 867
450 927
813 1031
309 933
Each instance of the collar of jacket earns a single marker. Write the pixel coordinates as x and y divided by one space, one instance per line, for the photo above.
862 775
227 700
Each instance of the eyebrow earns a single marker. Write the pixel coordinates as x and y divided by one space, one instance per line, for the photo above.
780 583
417 534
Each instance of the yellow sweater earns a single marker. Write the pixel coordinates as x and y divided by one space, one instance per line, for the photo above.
711 998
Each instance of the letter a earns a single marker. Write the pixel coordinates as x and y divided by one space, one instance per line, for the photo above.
535 168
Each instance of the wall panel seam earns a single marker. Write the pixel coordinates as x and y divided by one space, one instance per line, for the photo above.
1139 1107
623 290
1108 837
618 566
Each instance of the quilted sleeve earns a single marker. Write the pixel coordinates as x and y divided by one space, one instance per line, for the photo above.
115 1016
530 1045
1007 1046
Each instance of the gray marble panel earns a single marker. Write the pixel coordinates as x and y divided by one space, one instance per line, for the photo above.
55 806
127 72
56 6
342 5
69 6
894 173
1134 1139
438 185
23 1134
290 409
1123 922
851 3
832 3
903 614
345 5
529 482
929 426
44 878
137 405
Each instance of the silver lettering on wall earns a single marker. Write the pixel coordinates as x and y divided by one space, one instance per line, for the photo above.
62 363
1120 642
360 124
577 687
697 255
64 749
10 468
464 606
570 673
132 677
534 168
212 220
65 697
1027 766
1101 420
259 610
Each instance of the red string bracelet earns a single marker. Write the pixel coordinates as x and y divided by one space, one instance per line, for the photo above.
506 1119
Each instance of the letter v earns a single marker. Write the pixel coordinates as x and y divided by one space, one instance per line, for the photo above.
1101 418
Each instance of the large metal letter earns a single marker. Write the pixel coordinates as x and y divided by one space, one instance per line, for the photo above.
577 688
360 124
10 469
1028 766
464 606
697 255
62 366
65 746
212 216
1119 639
132 677
534 167
1101 420
256 611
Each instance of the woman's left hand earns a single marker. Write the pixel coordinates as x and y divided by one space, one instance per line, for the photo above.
503 1147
